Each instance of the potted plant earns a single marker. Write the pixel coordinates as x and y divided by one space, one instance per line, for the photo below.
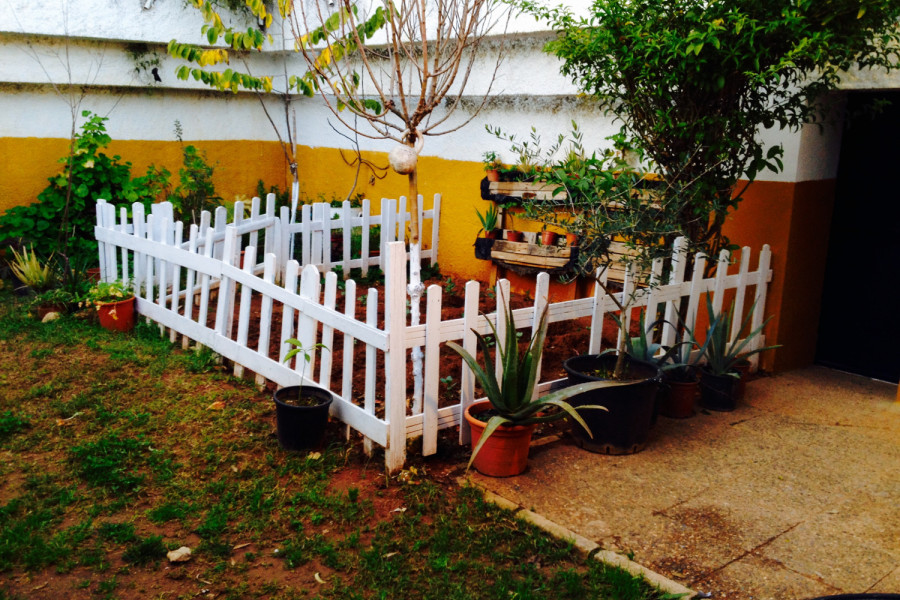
680 378
301 411
35 275
489 226
55 300
114 302
718 377
492 166
503 424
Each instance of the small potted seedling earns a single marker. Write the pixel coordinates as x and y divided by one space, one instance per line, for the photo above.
301 411
492 166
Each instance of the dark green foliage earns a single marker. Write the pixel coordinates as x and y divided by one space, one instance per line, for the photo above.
142 551
63 218
113 462
196 191
10 423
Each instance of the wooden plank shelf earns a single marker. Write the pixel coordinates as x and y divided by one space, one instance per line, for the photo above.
528 259
506 192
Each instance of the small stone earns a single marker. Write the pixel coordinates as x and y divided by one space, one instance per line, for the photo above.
50 316
183 554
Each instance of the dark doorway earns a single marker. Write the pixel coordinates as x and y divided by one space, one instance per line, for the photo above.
859 330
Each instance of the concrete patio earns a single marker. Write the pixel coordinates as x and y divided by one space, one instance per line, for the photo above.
794 495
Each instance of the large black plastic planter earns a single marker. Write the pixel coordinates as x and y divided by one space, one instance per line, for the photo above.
718 392
301 427
624 429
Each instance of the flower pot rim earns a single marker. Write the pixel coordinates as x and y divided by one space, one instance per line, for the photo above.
480 406
657 376
314 390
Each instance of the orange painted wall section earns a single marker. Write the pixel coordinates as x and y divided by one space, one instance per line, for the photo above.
26 163
793 218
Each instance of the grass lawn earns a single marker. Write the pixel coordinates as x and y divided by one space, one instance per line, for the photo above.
117 448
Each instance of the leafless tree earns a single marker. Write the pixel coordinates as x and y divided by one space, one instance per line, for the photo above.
405 82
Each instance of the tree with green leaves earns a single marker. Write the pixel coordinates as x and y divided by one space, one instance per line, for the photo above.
248 32
693 82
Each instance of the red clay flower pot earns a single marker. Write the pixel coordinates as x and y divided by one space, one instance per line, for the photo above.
514 236
492 175
548 238
571 239
505 453
678 399
117 316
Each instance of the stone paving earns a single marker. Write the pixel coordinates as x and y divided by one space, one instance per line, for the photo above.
794 495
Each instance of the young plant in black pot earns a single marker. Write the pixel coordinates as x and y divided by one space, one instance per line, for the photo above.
489 221
503 424
301 411
718 378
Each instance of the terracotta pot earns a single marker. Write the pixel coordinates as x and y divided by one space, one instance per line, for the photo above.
548 238
93 275
117 316
505 453
45 309
514 236
493 234
492 175
571 239
743 369
678 399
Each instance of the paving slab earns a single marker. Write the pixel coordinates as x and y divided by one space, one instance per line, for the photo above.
794 495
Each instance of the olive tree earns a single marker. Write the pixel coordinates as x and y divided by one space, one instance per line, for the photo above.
692 83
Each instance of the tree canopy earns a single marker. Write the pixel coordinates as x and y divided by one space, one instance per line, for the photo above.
693 81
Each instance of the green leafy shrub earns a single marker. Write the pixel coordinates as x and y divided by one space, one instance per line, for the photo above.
62 220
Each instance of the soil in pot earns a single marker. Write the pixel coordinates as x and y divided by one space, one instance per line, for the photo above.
505 453
717 392
301 414
625 426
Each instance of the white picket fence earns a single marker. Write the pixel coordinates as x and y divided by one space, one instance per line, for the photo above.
177 277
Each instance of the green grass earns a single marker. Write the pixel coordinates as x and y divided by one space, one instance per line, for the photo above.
112 456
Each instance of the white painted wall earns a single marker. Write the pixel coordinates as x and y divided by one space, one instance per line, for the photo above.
84 42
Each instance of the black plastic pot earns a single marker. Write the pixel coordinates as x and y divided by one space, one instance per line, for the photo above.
483 248
301 427
718 392
624 429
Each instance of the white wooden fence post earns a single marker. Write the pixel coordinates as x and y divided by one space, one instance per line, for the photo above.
541 299
470 344
432 370
395 356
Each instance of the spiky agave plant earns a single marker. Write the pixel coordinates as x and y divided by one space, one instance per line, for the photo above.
512 396
721 356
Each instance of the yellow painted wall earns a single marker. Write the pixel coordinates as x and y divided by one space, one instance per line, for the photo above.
26 164
793 218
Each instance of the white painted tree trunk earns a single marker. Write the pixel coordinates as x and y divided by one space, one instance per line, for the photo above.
415 289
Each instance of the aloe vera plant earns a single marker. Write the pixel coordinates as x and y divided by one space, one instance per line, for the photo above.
488 219
512 395
721 355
